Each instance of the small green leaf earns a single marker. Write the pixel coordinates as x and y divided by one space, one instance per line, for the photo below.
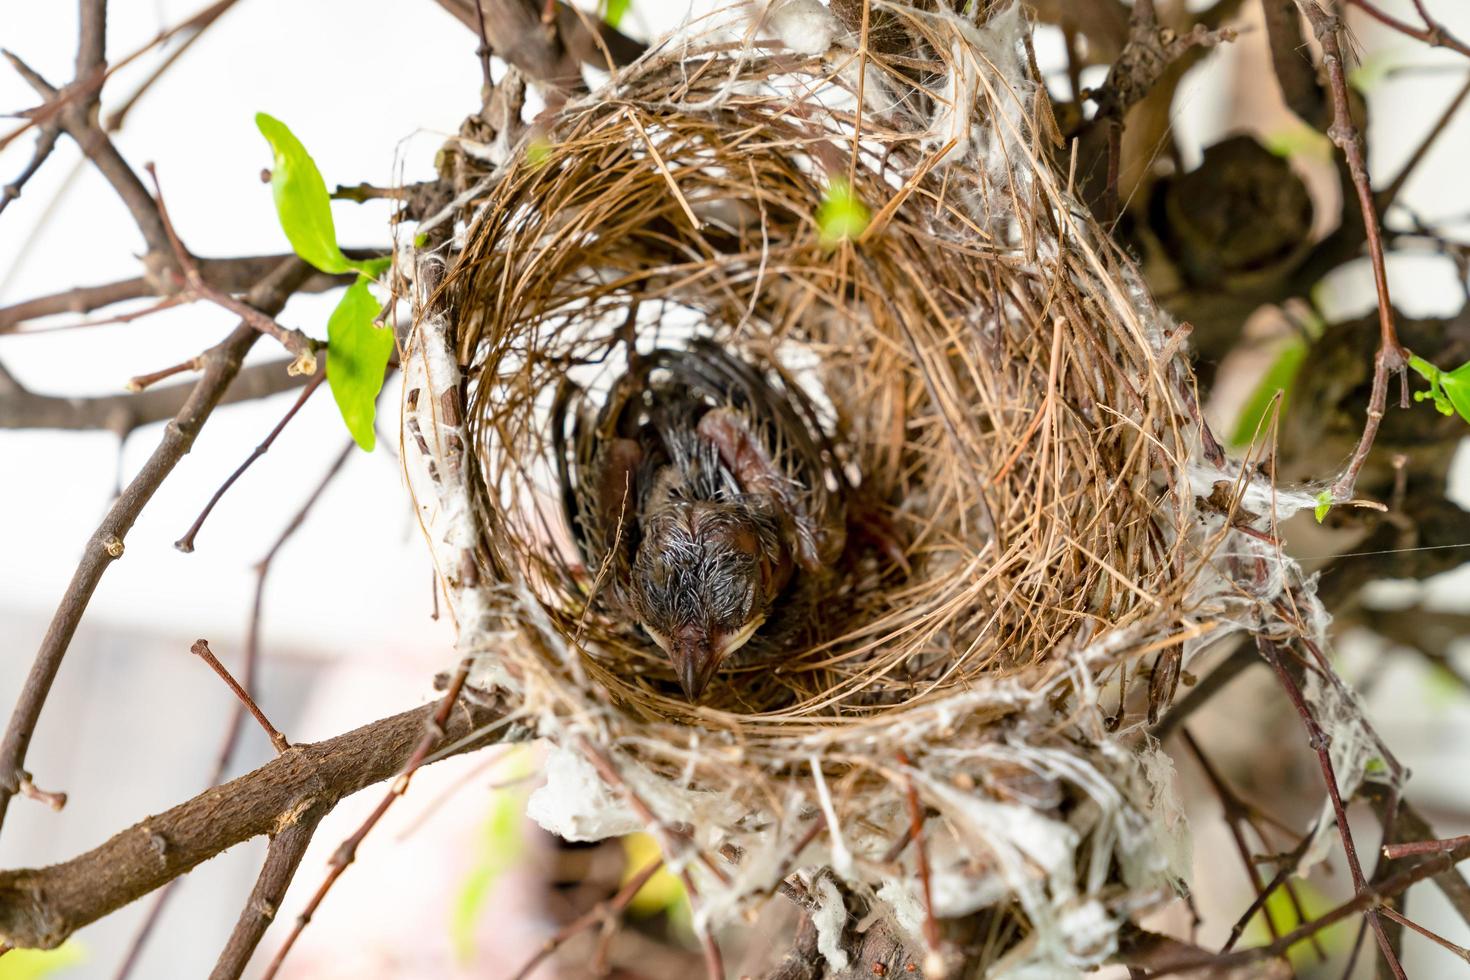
1449 390
1278 378
538 151
1324 504
613 11
842 215
302 203
357 356
1300 140
34 964
1456 385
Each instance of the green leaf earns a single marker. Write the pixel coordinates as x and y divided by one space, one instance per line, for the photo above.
613 11
1278 378
538 151
842 215
1449 390
302 203
34 964
357 356
1456 385
1324 504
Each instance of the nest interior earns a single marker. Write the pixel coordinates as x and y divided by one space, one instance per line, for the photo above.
992 374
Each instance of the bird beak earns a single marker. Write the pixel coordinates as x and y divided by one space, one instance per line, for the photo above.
695 661
697 655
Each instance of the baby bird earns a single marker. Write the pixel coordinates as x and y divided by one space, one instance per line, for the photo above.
702 489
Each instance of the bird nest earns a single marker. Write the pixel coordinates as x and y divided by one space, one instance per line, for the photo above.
990 375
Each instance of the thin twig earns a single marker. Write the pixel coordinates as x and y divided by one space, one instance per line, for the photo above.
1433 33
1361 902
81 126
921 859
201 650
45 143
142 381
30 790
1390 359
84 88
186 543
1396 851
121 414
601 912
346 853
1319 742
295 341
671 842
1386 196
233 275
1432 936
1235 814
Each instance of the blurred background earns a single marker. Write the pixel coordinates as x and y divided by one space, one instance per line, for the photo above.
455 882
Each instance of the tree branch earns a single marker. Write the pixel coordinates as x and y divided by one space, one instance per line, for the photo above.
125 412
221 365
281 861
77 121
1390 359
1432 33
41 907
233 275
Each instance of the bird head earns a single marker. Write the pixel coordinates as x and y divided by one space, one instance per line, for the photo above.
699 583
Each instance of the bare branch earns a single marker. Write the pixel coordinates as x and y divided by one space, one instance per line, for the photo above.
1291 61
295 341
201 650
1433 33
124 413
78 123
186 543
45 143
1390 359
434 734
231 275
1318 741
40 907
281 861
222 364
